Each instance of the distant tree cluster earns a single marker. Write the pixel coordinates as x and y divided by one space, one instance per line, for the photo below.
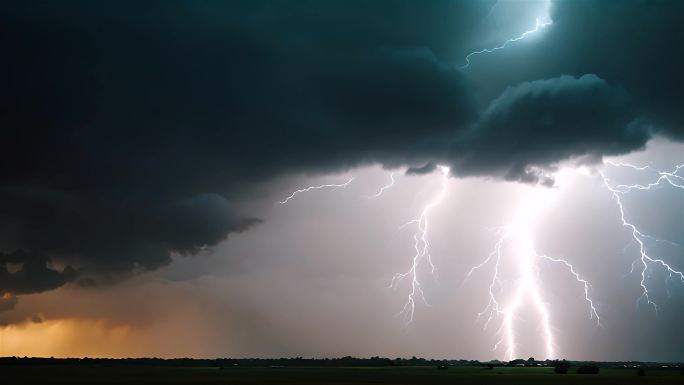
559 366
346 361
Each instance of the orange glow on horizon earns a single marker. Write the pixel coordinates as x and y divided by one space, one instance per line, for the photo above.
66 338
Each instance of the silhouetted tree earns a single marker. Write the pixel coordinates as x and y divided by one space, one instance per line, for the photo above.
561 367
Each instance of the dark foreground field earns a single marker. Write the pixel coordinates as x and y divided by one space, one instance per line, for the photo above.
26 375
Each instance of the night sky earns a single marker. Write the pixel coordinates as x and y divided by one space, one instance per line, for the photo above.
146 145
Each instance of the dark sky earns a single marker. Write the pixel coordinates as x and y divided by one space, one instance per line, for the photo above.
138 136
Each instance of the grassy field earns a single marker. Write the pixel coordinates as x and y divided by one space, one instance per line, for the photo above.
27 375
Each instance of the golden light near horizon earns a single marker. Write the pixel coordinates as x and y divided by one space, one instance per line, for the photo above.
66 338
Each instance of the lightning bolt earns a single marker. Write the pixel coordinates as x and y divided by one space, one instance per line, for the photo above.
383 188
515 242
670 178
593 314
538 26
421 246
519 233
307 189
639 237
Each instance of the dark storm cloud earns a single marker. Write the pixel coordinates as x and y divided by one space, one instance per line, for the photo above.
133 125
534 124
637 43
625 85
422 170
131 129
32 276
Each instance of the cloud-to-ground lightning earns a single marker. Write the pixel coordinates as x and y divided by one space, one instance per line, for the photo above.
421 245
539 25
638 236
519 233
383 188
509 298
323 186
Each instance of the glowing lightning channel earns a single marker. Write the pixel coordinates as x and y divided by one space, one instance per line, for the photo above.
638 236
537 27
671 177
519 232
421 245
593 314
341 185
383 188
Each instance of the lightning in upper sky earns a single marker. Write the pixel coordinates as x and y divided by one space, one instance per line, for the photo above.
383 188
639 237
323 186
421 245
538 26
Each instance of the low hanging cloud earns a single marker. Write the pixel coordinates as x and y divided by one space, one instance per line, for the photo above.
32 276
535 124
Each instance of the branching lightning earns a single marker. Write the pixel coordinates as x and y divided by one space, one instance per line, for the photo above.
519 232
515 243
323 186
421 245
639 237
539 25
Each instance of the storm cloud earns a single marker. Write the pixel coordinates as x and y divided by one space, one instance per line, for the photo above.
134 130
535 124
134 125
32 275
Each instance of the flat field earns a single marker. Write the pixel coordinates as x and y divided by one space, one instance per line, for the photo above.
28 375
